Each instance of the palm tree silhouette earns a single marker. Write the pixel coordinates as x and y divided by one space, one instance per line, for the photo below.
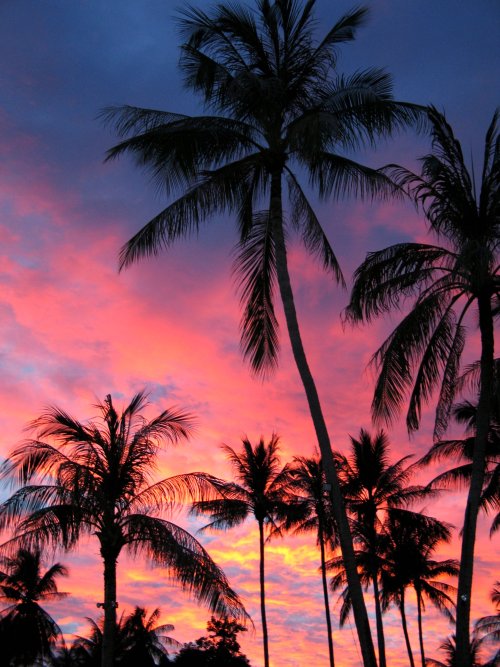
487 628
261 489
311 511
373 488
96 479
140 641
279 110
446 280
411 540
28 632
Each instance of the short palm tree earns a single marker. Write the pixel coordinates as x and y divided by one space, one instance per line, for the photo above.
411 540
276 110
487 628
373 488
261 490
446 282
311 512
96 478
140 641
28 632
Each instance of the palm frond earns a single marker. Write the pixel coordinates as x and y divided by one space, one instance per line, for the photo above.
255 266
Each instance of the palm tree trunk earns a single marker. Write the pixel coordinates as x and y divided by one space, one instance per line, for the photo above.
109 630
378 617
476 483
325 595
420 631
405 627
265 637
345 538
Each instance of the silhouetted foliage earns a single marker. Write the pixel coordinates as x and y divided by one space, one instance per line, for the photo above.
27 631
219 649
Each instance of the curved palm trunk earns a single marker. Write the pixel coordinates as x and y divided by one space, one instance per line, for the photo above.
378 617
325 595
405 627
345 538
109 630
265 638
420 630
476 484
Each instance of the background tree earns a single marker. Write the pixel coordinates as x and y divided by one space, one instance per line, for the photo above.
96 479
311 512
27 631
262 490
411 540
446 282
487 628
219 649
278 109
373 488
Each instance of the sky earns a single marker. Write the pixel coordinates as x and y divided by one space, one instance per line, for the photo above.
73 329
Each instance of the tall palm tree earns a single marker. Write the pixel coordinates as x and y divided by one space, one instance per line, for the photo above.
28 632
446 281
311 511
96 478
276 110
409 561
373 488
261 490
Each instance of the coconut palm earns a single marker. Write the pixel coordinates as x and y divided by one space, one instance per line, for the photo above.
373 488
261 490
311 511
276 110
96 478
139 641
487 628
27 630
446 281
409 562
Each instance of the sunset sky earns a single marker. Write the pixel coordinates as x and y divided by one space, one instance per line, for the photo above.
73 329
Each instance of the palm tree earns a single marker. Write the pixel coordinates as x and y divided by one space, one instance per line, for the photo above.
96 479
487 628
262 489
311 511
373 488
409 562
447 281
139 641
276 109
28 631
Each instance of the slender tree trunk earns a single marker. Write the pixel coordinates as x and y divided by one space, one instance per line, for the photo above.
378 617
109 632
476 483
265 637
325 595
345 538
405 628
420 630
